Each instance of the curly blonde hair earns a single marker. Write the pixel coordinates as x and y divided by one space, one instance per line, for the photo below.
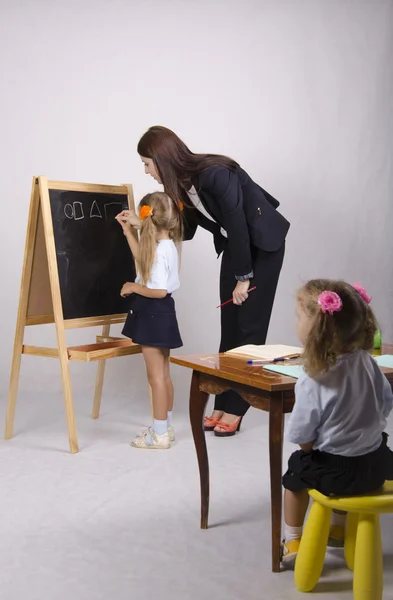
351 328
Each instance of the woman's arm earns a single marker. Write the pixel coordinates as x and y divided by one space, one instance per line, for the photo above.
223 187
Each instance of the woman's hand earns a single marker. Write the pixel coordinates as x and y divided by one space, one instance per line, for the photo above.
128 289
130 218
240 293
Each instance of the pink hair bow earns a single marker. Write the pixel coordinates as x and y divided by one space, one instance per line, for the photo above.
362 292
330 302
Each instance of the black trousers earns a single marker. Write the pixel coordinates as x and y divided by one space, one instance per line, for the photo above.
249 323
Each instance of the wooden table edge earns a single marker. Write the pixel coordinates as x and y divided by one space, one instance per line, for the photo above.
286 384
283 386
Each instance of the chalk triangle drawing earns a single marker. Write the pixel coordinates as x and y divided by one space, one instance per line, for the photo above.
95 211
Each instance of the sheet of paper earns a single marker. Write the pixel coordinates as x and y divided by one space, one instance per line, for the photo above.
386 360
268 352
291 371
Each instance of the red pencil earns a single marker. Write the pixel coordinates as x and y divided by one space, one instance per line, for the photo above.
231 300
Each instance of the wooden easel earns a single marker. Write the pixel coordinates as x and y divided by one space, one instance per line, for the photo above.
40 303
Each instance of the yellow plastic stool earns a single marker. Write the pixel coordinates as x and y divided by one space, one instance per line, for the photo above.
363 545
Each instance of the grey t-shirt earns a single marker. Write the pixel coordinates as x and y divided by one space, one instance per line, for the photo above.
344 410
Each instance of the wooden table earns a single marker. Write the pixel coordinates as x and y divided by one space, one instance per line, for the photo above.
262 389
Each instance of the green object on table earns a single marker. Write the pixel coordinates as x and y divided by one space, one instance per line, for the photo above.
377 347
377 340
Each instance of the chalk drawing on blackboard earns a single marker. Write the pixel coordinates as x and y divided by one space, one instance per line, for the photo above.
78 211
112 209
95 211
69 211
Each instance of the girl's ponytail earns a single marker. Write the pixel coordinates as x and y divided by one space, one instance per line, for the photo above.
147 249
158 212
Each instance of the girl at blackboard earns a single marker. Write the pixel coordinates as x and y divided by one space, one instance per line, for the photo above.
152 321
342 403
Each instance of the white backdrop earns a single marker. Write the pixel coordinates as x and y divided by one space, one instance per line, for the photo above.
300 93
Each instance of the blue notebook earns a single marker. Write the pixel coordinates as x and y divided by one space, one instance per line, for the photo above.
289 370
386 360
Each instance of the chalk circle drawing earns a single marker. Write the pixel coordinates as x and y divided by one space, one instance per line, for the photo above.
95 211
112 209
74 211
69 211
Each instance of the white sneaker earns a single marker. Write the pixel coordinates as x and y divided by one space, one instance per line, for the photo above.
158 442
171 433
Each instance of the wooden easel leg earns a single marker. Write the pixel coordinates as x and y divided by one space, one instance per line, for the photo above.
14 381
22 309
100 379
58 312
67 390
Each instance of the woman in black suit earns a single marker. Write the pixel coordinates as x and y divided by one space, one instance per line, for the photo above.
219 196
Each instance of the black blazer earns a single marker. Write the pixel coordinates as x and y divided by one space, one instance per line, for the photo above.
242 208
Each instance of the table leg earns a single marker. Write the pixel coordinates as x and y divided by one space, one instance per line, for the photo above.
276 429
198 401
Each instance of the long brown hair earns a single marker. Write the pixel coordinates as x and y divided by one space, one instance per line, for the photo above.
175 163
351 328
164 217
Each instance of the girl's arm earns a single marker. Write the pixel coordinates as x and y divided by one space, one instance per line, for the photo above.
142 290
388 397
304 422
307 447
136 288
133 243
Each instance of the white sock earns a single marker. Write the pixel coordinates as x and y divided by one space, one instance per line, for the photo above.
169 418
160 427
338 520
292 533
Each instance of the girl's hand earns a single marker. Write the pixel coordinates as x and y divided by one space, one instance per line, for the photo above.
124 224
240 293
128 216
128 289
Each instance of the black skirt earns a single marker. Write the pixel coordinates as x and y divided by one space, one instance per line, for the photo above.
334 475
152 322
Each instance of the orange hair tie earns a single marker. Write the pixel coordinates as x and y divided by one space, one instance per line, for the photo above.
145 212
180 205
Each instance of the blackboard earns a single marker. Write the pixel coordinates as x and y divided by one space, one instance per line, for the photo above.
93 256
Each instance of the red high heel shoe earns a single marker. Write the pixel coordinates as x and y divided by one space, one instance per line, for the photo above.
229 429
210 423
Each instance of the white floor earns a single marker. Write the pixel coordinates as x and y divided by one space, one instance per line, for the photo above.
115 522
